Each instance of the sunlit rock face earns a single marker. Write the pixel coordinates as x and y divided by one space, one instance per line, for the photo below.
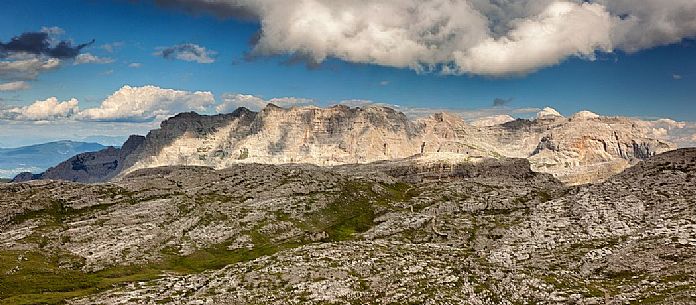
582 148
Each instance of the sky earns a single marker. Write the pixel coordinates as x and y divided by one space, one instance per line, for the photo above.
103 69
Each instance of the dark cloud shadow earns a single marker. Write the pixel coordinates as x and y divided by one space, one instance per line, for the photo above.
39 43
500 102
217 9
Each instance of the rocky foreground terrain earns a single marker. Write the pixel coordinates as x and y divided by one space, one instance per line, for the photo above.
390 232
579 149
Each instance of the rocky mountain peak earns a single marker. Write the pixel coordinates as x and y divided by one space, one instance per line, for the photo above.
548 113
584 148
585 115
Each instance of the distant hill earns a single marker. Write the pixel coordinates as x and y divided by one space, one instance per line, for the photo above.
39 157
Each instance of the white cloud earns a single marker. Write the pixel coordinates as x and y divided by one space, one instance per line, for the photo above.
128 104
135 65
111 47
88 58
650 23
384 83
14 86
676 76
46 110
147 103
53 31
488 37
683 134
188 52
231 102
51 108
562 30
26 67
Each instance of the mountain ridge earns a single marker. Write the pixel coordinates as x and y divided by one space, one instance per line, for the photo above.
39 157
579 149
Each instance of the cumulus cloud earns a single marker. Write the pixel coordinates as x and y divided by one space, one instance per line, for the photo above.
88 58
26 67
564 29
128 104
649 23
683 134
232 101
188 52
14 86
483 37
147 103
135 65
46 110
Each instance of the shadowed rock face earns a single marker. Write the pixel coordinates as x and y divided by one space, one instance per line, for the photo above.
40 157
89 167
583 148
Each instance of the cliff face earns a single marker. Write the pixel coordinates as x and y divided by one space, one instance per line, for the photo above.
336 135
583 148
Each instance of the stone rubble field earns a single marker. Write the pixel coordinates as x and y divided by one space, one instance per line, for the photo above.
396 232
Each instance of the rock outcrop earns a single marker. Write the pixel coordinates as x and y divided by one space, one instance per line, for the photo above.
583 148
389 232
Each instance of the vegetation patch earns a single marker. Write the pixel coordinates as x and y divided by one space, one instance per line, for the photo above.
354 209
38 278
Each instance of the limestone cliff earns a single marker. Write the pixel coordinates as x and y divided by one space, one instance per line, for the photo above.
583 148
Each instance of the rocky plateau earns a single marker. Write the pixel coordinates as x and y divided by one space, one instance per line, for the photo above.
389 232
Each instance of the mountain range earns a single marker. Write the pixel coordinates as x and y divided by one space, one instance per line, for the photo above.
40 157
582 148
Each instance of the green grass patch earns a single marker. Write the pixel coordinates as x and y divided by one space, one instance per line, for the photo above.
353 211
38 278
52 278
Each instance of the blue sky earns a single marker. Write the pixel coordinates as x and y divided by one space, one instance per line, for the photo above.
656 81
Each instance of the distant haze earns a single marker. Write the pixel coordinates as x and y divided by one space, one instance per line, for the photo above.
37 158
